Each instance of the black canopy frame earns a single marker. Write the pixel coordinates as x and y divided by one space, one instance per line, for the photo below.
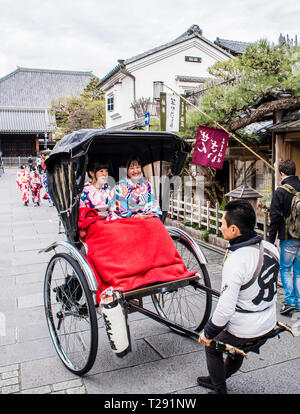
68 161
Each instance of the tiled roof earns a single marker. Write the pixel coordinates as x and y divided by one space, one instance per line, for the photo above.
288 126
25 120
244 191
109 74
33 88
139 122
257 127
196 79
233 46
192 32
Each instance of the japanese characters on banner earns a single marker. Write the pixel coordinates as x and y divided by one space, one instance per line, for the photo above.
172 112
210 147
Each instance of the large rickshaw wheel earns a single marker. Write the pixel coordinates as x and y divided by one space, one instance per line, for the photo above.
188 306
70 313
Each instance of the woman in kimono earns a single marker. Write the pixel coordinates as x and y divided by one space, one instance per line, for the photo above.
22 180
110 243
35 186
133 195
97 193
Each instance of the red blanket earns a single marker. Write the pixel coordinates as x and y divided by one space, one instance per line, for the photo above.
129 252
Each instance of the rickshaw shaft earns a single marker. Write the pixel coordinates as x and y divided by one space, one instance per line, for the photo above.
208 289
167 322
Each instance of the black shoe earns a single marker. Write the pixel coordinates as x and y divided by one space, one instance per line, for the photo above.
205 382
221 390
287 309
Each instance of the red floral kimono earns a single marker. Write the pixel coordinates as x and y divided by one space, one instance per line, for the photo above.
22 180
35 186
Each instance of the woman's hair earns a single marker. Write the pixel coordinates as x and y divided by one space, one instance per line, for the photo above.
241 214
131 159
23 167
96 166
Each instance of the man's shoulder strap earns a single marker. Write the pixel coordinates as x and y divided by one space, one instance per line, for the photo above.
262 250
258 267
288 188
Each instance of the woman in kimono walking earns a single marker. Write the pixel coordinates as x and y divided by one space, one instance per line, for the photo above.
35 186
22 180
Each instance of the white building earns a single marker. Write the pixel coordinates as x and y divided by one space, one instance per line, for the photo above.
181 64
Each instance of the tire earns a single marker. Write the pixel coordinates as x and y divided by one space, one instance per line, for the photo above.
70 313
187 306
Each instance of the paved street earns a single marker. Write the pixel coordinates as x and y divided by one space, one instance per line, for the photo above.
161 361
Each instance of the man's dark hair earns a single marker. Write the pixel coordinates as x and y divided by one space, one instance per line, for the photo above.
287 167
241 214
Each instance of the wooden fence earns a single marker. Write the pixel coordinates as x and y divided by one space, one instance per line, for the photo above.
203 217
15 161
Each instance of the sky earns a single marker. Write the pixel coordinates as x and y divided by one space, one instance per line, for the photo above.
91 35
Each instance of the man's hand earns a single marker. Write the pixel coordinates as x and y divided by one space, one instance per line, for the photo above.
203 340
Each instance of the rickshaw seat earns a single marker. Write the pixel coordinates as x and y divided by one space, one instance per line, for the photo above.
129 253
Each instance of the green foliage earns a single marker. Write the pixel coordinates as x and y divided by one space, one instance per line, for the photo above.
205 235
265 202
91 92
84 111
262 70
223 204
154 124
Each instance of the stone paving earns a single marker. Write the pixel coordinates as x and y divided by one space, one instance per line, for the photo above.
161 362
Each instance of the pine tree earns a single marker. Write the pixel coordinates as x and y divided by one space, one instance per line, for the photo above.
264 78
84 111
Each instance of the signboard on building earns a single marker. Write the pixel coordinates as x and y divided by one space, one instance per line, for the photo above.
172 112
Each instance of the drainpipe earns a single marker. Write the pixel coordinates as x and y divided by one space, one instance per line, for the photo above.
125 72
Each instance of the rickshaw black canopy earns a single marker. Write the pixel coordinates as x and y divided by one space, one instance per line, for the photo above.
67 163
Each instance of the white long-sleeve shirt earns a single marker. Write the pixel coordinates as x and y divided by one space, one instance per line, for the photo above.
258 298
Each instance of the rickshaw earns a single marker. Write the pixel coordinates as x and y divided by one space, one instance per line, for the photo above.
70 286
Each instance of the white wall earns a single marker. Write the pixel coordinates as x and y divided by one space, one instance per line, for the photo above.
164 66
123 96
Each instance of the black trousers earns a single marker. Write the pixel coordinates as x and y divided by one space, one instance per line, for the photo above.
219 370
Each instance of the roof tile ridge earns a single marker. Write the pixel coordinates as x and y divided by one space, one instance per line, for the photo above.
230 40
41 70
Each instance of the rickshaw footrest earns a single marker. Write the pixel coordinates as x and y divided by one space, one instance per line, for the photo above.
159 287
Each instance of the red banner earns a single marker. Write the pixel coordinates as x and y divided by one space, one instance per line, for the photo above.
210 147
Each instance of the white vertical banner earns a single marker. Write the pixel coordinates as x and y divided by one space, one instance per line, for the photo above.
172 112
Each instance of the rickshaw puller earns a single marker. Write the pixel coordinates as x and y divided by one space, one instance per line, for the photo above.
246 309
